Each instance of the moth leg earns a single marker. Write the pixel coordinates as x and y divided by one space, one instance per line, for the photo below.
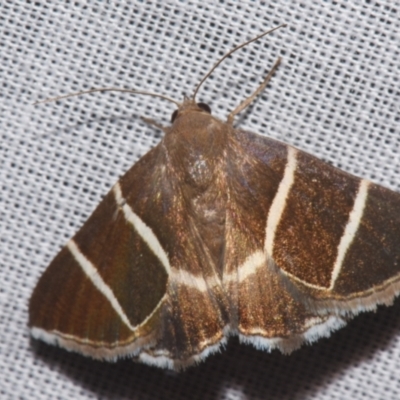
152 122
250 99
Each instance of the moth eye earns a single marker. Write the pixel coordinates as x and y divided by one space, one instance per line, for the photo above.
174 115
205 107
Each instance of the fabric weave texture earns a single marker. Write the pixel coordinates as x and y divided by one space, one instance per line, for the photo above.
336 95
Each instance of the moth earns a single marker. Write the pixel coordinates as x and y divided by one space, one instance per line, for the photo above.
215 232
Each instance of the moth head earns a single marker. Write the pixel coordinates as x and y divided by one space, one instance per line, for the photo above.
191 105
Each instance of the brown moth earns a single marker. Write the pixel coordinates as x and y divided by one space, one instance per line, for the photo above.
217 231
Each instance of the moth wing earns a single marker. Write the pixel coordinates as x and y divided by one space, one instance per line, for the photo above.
116 290
322 244
96 297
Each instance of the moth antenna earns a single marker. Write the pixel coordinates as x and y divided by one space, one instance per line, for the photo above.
249 99
230 53
111 89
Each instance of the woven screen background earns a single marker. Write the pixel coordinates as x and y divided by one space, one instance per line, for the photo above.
336 95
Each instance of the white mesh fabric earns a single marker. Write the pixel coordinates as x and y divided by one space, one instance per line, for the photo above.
335 95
